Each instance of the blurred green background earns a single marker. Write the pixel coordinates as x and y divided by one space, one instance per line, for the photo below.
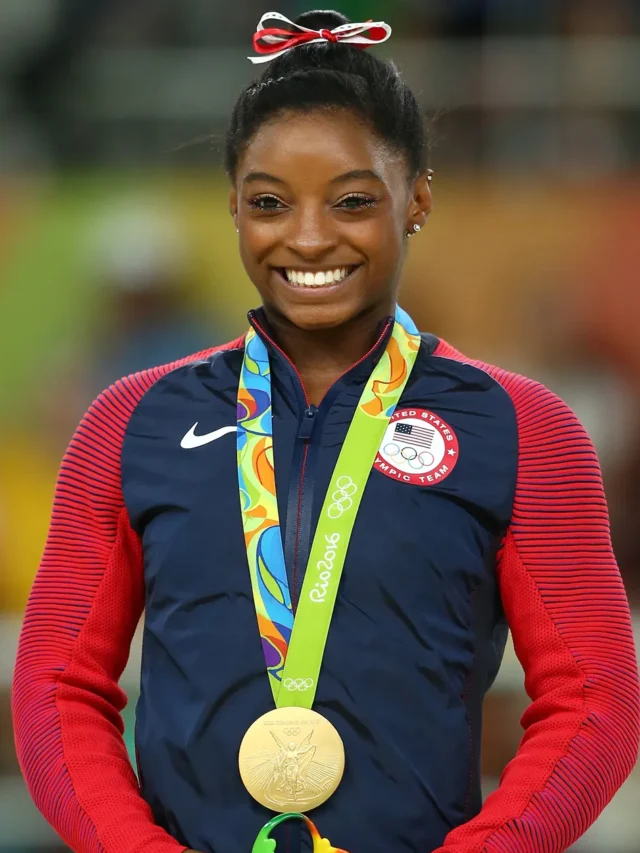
117 251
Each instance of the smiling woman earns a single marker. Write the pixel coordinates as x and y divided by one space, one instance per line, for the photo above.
327 157
353 556
323 242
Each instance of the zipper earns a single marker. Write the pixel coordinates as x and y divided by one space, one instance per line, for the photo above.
300 499
308 422
296 536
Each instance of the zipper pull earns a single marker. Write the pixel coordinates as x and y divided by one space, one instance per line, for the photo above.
308 422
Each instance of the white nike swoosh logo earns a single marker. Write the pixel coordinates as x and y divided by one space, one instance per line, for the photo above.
192 440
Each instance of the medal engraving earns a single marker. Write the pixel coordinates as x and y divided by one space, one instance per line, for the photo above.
290 763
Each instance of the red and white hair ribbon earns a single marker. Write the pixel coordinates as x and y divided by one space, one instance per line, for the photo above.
271 42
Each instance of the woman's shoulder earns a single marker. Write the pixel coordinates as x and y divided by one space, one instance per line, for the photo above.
116 403
535 404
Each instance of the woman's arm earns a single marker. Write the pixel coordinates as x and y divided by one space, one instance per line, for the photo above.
571 627
83 609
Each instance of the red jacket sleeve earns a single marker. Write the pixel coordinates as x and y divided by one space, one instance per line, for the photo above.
83 609
86 601
569 617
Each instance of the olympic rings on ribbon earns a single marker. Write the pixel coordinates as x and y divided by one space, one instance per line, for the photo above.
301 684
342 497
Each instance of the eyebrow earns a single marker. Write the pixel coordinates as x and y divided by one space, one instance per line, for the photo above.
353 175
356 174
262 176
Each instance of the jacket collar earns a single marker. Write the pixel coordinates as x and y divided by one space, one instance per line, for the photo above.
357 373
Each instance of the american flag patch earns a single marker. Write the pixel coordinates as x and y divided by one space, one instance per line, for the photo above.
413 434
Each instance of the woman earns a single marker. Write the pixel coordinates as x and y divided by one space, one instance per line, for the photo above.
483 508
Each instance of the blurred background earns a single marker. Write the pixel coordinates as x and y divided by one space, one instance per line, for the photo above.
117 251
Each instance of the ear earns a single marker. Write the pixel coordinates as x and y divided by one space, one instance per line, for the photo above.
233 206
420 201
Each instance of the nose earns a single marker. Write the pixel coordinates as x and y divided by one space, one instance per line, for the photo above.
312 233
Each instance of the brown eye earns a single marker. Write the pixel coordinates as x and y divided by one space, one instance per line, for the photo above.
265 203
357 202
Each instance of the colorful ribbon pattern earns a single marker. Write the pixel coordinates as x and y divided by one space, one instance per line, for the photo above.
265 844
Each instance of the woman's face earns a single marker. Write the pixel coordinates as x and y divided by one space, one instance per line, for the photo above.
322 207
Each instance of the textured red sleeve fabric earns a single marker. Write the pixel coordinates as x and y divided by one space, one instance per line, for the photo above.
569 617
83 609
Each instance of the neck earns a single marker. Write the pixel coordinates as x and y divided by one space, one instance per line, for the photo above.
321 356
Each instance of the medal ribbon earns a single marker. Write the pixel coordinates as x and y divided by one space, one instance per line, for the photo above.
293 648
265 844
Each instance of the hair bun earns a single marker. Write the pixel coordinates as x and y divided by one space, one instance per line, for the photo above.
322 20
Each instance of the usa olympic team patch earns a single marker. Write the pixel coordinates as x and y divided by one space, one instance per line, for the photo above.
418 447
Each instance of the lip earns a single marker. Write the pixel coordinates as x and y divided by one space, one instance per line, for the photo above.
321 288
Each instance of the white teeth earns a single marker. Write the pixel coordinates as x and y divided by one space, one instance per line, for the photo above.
318 279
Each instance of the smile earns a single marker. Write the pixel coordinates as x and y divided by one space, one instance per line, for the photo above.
306 278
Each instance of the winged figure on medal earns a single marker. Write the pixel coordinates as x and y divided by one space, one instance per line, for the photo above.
290 773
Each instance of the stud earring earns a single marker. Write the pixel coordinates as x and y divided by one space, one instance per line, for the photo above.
415 230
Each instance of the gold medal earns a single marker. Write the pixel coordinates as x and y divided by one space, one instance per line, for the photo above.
291 760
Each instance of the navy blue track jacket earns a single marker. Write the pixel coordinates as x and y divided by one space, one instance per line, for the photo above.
484 508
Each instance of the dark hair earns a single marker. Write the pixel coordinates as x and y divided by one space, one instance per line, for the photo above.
330 76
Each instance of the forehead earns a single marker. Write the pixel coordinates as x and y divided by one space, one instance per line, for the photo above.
317 146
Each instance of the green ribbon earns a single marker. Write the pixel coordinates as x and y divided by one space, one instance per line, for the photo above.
294 677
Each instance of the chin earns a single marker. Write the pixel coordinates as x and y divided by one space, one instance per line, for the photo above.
313 318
